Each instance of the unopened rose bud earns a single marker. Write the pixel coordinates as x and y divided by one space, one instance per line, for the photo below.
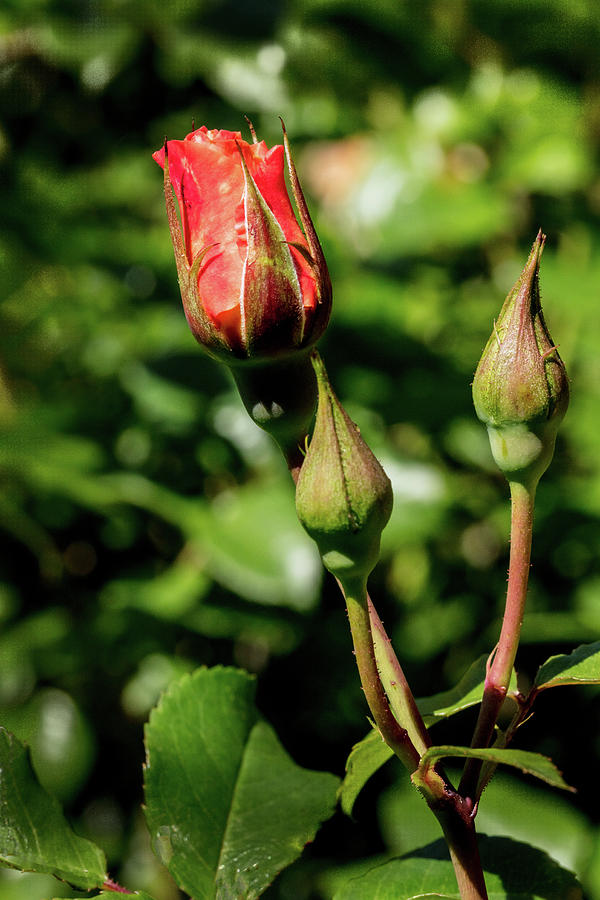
254 285
520 389
343 496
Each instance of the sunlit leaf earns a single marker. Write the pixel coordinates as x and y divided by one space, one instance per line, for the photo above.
582 666
467 692
226 807
34 834
513 871
365 759
117 895
531 763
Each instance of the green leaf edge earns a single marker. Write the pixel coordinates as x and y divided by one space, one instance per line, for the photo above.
346 793
114 895
552 661
489 846
502 757
54 806
259 720
441 706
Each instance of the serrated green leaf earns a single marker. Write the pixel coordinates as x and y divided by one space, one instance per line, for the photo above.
467 692
34 834
513 871
111 895
365 759
582 666
226 807
530 763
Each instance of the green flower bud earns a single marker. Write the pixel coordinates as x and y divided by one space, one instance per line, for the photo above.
520 389
343 496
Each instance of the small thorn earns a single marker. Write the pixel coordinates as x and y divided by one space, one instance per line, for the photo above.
110 885
548 352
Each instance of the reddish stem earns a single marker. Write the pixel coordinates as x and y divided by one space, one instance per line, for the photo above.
462 842
503 659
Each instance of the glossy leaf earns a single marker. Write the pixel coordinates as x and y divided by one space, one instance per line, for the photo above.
513 871
226 806
118 895
582 666
365 759
34 834
467 692
531 763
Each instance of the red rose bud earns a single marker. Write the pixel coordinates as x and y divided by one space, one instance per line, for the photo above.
343 496
253 283
520 389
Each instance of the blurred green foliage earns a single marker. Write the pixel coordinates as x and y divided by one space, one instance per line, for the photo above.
147 526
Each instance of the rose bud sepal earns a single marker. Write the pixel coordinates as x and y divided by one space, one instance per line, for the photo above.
520 389
315 256
273 319
343 496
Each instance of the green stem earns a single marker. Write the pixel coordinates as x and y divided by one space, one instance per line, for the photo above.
453 814
395 685
394 735
503 659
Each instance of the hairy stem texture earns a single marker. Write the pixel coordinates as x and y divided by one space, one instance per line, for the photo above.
502 662
391 731
454 815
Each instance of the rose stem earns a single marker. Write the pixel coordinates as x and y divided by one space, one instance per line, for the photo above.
395 736
461 838
453 816
500 670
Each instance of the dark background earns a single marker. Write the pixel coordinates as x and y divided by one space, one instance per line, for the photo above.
147 527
